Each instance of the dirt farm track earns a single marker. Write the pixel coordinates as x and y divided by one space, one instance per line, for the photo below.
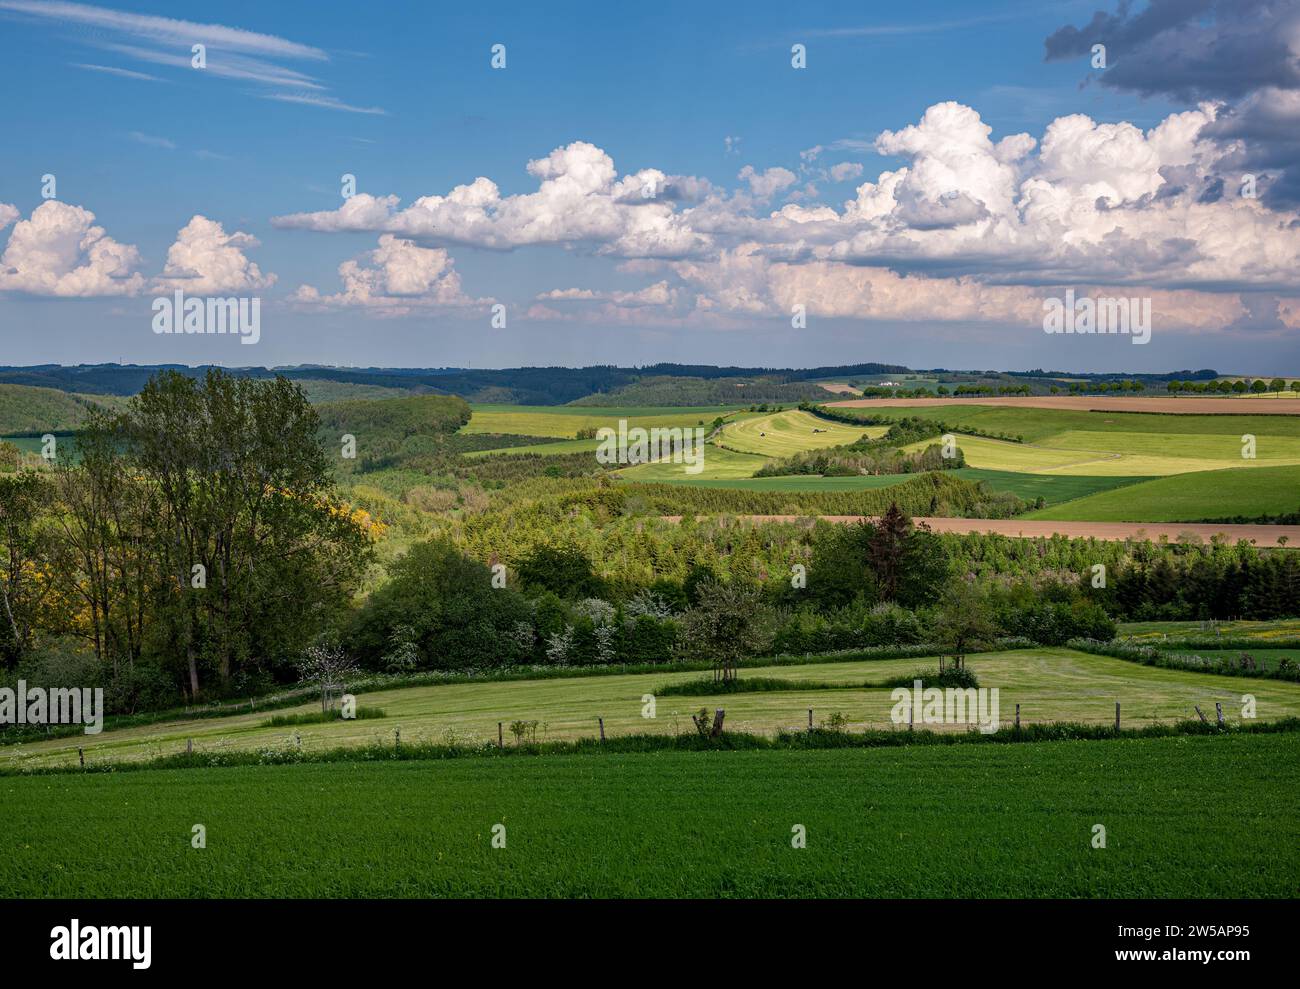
1091 403
1260 535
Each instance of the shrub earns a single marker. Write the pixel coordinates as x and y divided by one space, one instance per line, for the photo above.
449 614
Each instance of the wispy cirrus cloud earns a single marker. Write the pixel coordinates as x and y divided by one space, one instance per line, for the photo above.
152 141
238 67
166 30
895 30
230 52
329 102
113 70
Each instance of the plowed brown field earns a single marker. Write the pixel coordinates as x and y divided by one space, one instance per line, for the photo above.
1087 403
1260 535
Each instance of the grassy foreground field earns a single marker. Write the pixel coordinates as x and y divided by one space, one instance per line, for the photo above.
1049 684
1184 817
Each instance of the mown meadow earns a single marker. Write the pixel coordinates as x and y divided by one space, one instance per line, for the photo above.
1050 685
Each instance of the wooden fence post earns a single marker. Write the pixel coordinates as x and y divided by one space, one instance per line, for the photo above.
910 713
1017 717
501 740
718 715
1117 715
810 719
397 737
602 728
189 746
81 756
1200 715
1218 708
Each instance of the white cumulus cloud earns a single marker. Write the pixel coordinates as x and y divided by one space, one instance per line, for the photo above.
394 279
206 260
59 251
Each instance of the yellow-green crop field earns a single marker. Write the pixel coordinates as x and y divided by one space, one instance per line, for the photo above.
783 434
1123 454
719 465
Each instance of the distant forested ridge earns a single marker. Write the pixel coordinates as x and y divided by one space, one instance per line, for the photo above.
666 391
654 385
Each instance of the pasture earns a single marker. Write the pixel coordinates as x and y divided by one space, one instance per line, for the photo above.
973 821
1036 425
565 421
1124 454
719 464
1147 633
782 434
1187 497
1050 684
1052 488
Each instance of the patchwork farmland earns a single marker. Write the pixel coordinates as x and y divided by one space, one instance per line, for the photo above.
525 609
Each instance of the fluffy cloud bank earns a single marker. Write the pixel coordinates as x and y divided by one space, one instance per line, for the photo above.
580 201
59 251
394 279
1242 54
967 227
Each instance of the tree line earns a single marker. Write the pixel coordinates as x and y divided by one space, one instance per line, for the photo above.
191 544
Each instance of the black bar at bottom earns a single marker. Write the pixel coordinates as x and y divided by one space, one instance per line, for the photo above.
332 938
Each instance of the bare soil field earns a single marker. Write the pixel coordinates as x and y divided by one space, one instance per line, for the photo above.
1260 535
839 388
1098 403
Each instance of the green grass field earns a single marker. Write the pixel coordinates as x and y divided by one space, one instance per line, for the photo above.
1052 488
1049 684
1188 497
782 434
1269 655
1118 455
1025 458
1149 632
719 464
1037 425
565 421
1184 817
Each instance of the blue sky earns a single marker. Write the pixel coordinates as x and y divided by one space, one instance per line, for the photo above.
403 96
